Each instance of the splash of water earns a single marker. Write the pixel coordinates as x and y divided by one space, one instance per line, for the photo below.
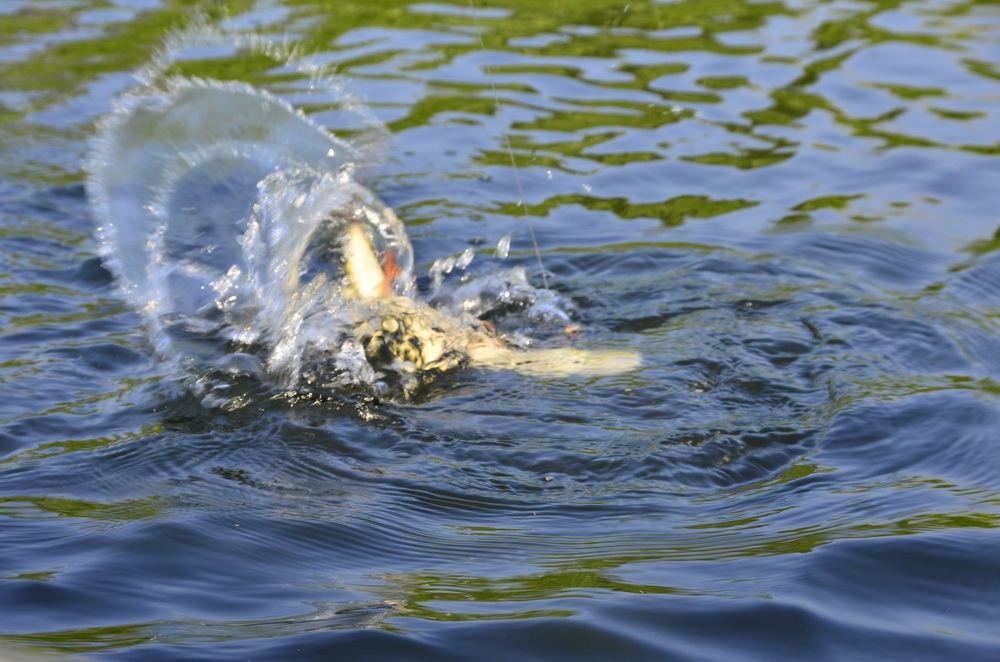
221 212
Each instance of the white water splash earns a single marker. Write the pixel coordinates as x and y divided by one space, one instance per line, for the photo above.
221 212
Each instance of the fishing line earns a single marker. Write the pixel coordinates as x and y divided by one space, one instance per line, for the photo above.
505 130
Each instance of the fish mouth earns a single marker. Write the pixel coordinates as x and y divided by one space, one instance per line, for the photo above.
368 276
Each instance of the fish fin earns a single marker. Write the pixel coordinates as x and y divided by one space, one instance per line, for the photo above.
362 265
557 362
391 269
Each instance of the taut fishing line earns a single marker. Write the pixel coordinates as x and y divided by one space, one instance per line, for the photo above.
505 131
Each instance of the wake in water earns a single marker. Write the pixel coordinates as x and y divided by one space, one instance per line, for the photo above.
227 215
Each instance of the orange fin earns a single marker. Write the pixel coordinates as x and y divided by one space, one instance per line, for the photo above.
391 269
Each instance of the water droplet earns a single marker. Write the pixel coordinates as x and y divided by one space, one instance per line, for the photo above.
548 174
503 247
465 259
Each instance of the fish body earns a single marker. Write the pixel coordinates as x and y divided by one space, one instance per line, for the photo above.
412 336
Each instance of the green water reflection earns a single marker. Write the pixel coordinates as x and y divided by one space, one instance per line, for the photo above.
672 134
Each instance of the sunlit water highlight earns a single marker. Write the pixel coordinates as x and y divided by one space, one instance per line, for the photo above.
788 208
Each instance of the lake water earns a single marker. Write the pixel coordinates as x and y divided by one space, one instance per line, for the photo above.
789 208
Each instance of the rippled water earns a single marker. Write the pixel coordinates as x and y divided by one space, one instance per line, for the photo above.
790 210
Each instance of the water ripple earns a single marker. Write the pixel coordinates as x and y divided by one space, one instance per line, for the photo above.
788 208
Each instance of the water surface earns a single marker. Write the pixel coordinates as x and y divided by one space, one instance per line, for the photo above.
789 208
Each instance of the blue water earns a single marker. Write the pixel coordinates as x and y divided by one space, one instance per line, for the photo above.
788 208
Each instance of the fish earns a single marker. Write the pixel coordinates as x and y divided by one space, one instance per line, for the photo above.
414 337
